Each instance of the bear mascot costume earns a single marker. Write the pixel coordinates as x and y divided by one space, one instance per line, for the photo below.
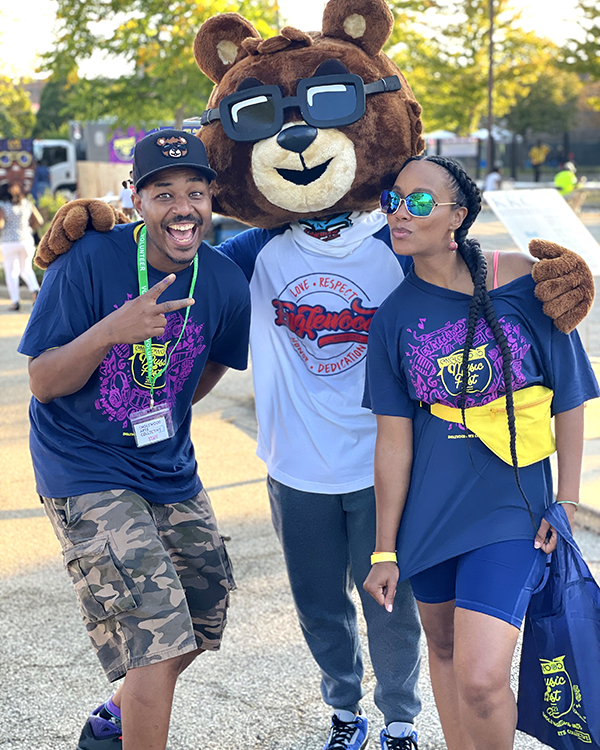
304 130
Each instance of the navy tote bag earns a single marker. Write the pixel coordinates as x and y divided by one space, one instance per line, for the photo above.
559 677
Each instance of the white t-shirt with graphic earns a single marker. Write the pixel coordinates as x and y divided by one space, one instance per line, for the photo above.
315 287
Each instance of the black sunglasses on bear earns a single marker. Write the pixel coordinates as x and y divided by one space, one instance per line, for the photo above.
324 102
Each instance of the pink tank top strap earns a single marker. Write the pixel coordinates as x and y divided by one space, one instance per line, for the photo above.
496 259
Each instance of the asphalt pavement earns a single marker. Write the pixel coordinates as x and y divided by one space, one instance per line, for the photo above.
262 689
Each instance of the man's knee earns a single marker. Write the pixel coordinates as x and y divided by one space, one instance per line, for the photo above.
166 669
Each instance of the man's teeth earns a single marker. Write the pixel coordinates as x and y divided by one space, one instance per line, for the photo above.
182 232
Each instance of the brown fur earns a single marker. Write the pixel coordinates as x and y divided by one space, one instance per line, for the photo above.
70 224
564 284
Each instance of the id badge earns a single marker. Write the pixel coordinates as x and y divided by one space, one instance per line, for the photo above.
152 425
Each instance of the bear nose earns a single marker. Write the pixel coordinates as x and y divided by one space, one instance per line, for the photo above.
297 138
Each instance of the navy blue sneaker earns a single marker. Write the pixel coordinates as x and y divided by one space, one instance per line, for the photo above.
99 733
408 742
348 732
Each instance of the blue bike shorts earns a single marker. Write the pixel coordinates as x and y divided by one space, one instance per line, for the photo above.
497 580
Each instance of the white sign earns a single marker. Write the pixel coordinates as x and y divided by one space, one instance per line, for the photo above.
459 147
543 214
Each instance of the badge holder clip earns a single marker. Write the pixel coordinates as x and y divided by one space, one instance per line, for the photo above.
152 425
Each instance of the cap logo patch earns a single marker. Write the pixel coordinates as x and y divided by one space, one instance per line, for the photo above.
175 147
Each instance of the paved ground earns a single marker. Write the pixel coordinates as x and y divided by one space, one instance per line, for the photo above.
262 689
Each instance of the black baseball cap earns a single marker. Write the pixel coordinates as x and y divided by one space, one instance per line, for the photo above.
169 148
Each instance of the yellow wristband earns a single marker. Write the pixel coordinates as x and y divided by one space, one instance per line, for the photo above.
377 557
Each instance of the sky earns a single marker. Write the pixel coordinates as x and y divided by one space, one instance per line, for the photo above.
26 26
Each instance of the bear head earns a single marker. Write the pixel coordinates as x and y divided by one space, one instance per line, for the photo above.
175 147
305 125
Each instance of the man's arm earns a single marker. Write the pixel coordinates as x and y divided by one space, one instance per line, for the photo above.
212 373
66 369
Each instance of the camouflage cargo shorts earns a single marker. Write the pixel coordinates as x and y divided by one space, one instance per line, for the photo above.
152 580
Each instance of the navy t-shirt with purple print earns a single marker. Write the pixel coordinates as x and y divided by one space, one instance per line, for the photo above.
84 442
462 496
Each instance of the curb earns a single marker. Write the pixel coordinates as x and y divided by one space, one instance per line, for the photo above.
587 518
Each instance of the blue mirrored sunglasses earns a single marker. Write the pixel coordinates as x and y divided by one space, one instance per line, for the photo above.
417 204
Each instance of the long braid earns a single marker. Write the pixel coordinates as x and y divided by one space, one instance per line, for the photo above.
466 193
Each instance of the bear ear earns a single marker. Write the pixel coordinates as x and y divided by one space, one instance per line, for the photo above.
219 41
366 23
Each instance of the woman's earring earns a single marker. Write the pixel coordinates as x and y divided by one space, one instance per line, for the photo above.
453 246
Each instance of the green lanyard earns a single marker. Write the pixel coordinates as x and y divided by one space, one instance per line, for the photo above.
143 283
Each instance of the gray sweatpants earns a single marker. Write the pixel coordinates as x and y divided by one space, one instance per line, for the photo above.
327 541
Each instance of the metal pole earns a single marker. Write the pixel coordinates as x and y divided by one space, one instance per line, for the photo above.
490 123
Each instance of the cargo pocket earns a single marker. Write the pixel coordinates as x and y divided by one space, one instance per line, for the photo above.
227 566
101 587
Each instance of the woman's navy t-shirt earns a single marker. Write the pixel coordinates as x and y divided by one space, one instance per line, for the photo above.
84 442
462 496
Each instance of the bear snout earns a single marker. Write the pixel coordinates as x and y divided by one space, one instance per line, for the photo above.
297 138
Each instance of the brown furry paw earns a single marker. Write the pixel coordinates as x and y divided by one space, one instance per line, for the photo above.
70 224
564 283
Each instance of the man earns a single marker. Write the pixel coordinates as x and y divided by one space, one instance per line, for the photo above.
493 180
315 286
131 328
569 186
565 180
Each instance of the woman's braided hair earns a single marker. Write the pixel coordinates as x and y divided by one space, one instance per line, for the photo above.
466 193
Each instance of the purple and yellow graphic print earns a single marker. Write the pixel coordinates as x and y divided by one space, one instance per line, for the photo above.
124 382
435 362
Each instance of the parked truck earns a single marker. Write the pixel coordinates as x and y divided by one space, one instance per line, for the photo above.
44 164
60 159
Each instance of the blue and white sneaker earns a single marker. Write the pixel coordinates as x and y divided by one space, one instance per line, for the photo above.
407 742
348 732
100 734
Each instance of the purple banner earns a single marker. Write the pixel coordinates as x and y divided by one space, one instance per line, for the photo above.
122 143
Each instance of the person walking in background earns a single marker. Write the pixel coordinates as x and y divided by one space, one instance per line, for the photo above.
18 218
461 494
493 181
566 182
126 198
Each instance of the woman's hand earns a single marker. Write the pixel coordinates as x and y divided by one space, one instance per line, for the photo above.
546 536
381 583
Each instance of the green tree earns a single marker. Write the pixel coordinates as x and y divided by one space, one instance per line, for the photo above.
445 59
550 105
16 114
52 118
154 40
583 55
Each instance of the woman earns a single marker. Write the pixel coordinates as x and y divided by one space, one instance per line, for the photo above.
462 518
18 217
125 196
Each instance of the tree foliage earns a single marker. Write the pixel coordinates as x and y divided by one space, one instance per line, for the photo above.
445 59
550 106
153 42
52 118
16 114
583 56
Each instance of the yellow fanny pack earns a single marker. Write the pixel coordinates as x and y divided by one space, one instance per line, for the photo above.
535 440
